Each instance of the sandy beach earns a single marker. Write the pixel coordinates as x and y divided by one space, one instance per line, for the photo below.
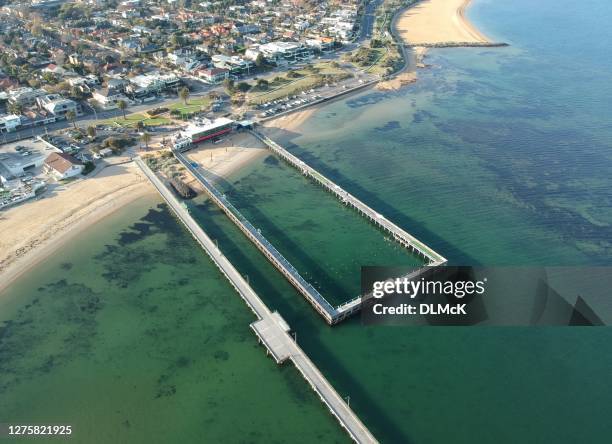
275 128
438 21
227 156
36 229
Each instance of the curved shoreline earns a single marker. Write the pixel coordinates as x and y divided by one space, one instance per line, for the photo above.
435 22
469 25
40 248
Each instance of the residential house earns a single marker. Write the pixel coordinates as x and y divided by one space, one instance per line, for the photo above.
9 123
213 75
63 166
58 106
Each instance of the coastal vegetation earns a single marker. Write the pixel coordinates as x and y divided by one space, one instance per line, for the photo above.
297 80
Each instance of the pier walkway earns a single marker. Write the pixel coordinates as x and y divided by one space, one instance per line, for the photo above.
405 239
270 328
323 307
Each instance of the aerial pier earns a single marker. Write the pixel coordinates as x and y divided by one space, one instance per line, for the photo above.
321 305
405 239
332 315
270 328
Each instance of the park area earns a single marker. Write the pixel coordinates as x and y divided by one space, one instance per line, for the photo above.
296 81
177 109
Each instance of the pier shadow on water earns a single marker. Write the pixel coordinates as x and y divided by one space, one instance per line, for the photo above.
329 287
453 253
280 296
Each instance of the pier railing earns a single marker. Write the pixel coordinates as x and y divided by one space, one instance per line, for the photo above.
399 235
270 328
266 247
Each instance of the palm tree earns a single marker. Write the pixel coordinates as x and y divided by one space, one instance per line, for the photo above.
184 94
91 132
122 105
15 108
71 115
146 138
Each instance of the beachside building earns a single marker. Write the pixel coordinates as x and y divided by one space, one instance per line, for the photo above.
236 65
58 106
213 75
9 123
108 98
17 164
152 83
280 53
201 131
63 166
25 96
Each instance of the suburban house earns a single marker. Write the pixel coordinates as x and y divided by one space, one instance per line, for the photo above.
58 106
9 123
108 98
62 166
213 75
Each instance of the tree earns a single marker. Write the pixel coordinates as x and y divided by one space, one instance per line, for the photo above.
243 87
71 115
184 94
122 105
262 84
260 61
228 84
146 138
15 108
91 132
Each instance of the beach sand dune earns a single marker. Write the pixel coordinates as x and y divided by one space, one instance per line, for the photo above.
438 21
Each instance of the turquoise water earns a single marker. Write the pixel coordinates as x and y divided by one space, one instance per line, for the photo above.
496 156
132 335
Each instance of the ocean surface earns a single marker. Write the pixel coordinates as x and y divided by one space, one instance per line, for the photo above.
495 156
131 335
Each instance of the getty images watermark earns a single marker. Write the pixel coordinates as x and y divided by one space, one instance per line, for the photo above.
485 296
410 288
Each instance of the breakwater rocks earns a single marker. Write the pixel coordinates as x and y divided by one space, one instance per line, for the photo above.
458 45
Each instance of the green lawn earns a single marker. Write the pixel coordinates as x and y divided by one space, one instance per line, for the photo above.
311 78
133 119
193 105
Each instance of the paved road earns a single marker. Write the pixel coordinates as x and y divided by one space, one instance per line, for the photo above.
340 409
368 20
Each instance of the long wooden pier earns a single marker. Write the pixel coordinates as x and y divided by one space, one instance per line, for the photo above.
321 305
405 239
401 236
270 328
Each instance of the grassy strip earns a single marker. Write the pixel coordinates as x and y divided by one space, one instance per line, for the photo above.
133 119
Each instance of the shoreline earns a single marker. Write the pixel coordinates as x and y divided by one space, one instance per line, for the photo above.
222 160
35 229
40 248
438 22
461 13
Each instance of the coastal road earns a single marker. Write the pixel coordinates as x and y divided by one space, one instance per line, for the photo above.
368 20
